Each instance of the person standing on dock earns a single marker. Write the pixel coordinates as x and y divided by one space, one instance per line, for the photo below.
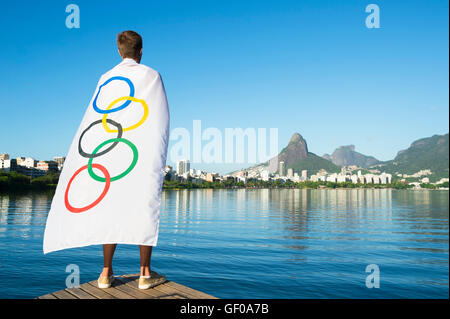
109 191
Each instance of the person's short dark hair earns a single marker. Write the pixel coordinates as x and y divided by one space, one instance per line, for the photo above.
129 44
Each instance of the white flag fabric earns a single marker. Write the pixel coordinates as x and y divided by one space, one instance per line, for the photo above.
109 190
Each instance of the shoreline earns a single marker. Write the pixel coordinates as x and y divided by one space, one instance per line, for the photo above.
326 188
14 183
51 191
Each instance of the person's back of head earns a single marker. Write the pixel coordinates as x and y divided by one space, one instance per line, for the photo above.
130 45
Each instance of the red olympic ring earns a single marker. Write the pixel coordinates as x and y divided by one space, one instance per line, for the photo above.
102 195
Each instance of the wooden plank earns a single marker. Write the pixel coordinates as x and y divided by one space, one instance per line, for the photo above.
96 292
120 284
167 290
134 283
126 287
130 275
79 293
158 279
173 289
190 291
113 291
47 296
173 296
62 294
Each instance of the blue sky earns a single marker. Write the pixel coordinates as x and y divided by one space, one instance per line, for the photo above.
303 66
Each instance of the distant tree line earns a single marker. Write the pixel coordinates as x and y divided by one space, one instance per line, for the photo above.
14 182
255 183
432 186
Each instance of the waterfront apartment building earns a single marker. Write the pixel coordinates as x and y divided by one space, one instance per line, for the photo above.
290 172
183 166
4 156
304 174
332 178
60 161
27 166
8 165
47 166
264 175
20 160
168 169
28 171
26 161
211 177
281 169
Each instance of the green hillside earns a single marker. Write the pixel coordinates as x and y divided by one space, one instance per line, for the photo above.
313 164
426 153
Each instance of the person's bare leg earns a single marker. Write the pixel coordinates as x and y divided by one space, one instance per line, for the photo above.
108 253
146 254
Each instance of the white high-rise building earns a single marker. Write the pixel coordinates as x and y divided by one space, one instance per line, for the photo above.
332 178
281 169
376 179
29 162
305 174
290 172
265 175
60 161
368 178
5 165
385 178
183 166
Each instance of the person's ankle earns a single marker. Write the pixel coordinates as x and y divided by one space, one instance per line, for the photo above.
106 272
145 271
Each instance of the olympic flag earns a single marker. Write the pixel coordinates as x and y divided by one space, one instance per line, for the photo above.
109 190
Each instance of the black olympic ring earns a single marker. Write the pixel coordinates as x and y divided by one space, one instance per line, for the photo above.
119 135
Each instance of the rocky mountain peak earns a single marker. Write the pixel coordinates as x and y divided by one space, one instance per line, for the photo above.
346 155
347 147
297 138
296 149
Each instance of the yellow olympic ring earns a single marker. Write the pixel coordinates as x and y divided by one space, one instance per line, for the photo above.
132 127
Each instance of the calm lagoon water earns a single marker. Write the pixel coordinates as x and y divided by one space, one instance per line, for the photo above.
256 244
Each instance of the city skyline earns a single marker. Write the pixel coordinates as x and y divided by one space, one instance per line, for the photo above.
348 174
278 65
187 162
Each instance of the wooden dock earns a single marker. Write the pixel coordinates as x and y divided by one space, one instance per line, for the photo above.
126 287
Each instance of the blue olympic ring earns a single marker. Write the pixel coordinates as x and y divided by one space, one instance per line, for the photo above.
124 105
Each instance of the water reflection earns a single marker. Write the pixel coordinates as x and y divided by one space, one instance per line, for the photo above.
339 214
22 212
226 241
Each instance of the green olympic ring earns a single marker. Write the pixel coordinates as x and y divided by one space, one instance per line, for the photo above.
115 178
